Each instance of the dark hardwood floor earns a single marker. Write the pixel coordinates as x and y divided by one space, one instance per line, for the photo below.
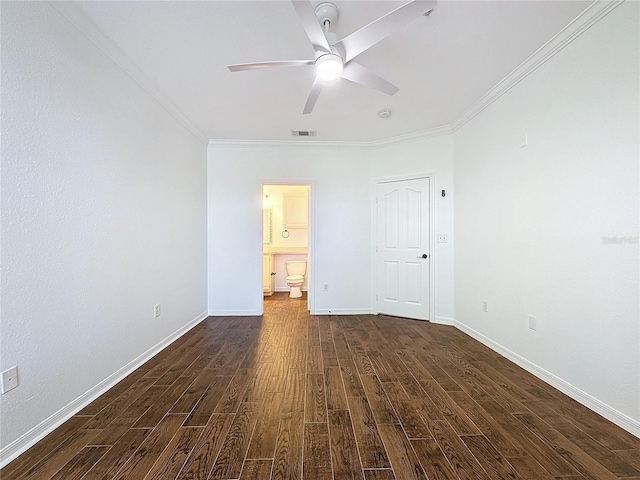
289 396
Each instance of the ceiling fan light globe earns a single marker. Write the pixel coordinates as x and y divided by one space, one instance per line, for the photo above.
329 67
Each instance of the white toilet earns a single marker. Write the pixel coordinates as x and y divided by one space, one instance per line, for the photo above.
295 276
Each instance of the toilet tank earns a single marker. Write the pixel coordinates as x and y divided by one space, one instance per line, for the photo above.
296 267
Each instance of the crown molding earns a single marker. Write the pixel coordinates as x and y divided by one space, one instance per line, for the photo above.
106 45
337 145
589 17
412 137
292 144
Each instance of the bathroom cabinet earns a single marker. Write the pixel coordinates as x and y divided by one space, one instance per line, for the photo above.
268 280
295 212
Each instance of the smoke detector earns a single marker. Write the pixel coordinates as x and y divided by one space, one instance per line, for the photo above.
384 113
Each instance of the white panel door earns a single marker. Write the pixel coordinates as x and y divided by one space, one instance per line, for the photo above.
402 248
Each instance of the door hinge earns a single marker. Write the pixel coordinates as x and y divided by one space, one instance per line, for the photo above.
376 297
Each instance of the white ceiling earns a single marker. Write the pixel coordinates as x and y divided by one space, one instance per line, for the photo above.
442 63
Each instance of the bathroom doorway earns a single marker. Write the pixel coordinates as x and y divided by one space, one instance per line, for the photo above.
286 227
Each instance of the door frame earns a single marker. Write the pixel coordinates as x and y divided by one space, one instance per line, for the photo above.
310 240
432 236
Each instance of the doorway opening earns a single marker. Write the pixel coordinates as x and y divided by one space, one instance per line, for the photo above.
286 269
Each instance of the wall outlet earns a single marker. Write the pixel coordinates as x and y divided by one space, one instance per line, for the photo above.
9 379
533 322
156 310
485 306
442 238
524 141
326 287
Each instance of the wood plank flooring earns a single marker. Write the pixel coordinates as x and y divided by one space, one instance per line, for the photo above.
294 396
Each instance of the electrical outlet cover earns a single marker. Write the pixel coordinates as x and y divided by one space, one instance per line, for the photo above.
9 379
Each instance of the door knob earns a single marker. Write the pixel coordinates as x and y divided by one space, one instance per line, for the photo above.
424 255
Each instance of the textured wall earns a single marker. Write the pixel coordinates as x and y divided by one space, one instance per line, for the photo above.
340 229
433 156
531 222
103 215
341 196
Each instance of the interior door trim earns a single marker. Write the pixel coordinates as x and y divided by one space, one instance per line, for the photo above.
374 226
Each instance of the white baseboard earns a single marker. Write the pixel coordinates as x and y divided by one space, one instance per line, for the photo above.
443 320
37 433
342 311
601 408
234 313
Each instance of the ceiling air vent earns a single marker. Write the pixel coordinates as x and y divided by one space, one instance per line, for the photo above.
303 133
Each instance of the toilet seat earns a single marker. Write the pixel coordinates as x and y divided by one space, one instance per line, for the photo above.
295 278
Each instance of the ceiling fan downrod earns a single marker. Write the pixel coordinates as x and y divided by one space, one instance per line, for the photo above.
327 14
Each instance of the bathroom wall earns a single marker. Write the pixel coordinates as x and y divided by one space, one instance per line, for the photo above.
281 271
298 237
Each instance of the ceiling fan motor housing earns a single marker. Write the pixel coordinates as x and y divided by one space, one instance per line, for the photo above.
327 13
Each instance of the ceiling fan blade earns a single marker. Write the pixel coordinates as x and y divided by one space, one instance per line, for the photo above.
311 26
358 74
359 41
259 65
313 96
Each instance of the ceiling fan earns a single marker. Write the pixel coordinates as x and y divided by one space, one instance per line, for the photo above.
333 57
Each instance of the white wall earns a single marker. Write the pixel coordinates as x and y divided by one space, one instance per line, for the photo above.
342 182
340 224
103 215
433 156
530 221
